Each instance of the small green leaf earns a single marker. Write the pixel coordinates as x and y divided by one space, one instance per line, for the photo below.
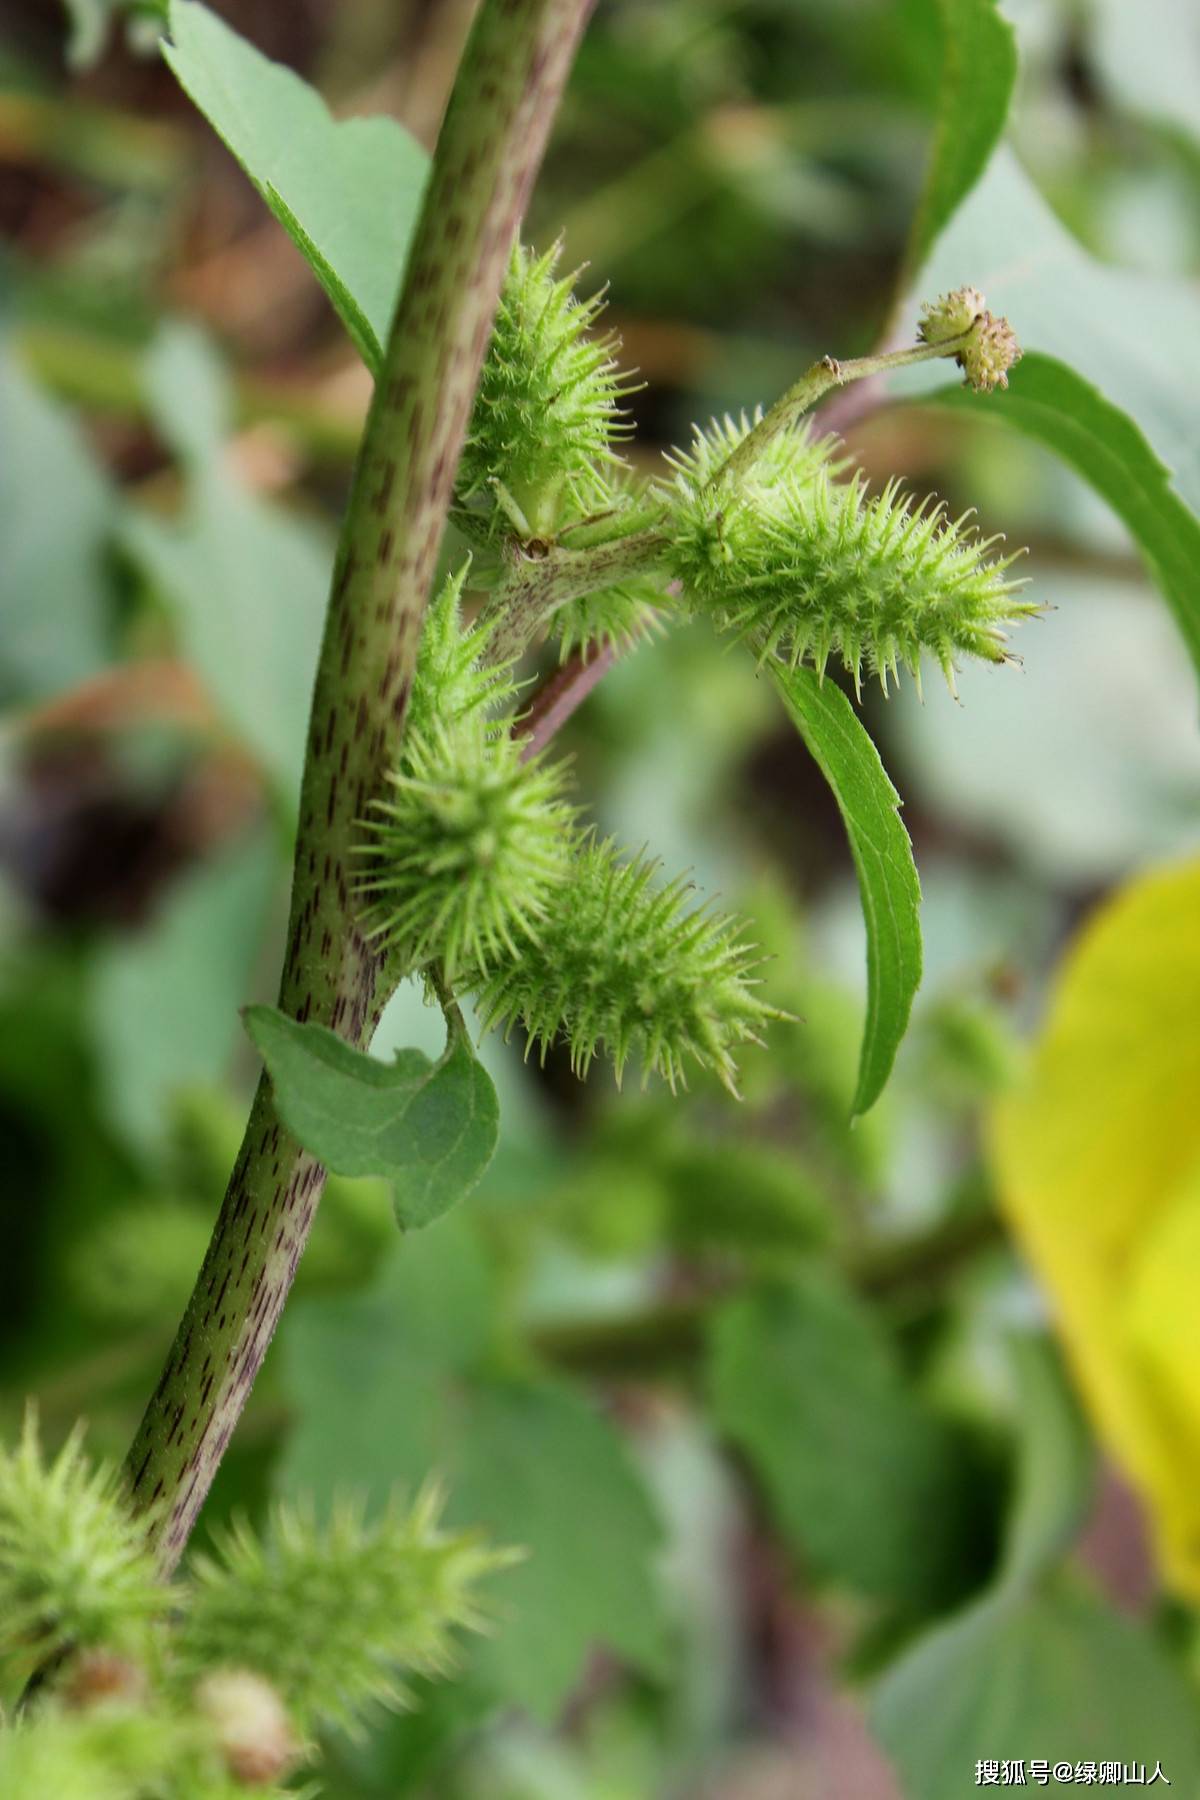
979 67
1050 402
887 877
528 1459
347 193
853 1465
1039 1666
430 1128
1057 1674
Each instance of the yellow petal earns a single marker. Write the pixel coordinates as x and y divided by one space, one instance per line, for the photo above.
1097 1160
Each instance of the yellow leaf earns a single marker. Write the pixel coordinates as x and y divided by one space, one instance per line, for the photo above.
1097 1159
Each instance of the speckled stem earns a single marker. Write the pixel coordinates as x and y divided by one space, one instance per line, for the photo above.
535 586
505 96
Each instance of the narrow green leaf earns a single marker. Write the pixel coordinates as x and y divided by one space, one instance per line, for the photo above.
887 877
1050 402
979 67
347 193
430 1128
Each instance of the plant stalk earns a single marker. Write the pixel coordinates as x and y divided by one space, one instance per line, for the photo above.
505 96
821 379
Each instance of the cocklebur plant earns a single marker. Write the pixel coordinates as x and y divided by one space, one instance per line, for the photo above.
220 1683
478 871
436 833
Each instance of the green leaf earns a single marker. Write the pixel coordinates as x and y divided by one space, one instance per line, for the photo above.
56 514
1054 1484
347 193
1039 1667
804 1383
979 68
1057 1675
430 1128
164 1000
1050 402
887 878
247 579
525 1458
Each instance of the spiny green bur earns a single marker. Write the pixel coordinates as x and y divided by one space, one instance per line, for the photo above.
807 568
540 446
461 857
629 967
475 867
210 1687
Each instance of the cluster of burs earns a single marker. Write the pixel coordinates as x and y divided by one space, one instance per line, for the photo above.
212 1686
476 868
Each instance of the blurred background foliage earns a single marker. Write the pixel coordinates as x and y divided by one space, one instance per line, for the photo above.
772 1402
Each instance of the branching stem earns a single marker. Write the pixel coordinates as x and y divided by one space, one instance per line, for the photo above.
491 144
538 581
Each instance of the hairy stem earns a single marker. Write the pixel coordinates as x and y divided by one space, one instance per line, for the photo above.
821 379
491 144
534 586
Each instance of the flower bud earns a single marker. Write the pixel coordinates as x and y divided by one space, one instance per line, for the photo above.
950 316
991 346
96 1677
989 353
252 1727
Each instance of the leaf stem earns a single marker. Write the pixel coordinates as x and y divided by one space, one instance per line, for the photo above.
504 99
821 379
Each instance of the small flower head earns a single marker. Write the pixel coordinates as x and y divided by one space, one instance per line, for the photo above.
989 353
991 347
622 963
950 316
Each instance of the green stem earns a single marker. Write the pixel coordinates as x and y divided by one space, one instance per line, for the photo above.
505 96
821 379
535 586
670 1334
